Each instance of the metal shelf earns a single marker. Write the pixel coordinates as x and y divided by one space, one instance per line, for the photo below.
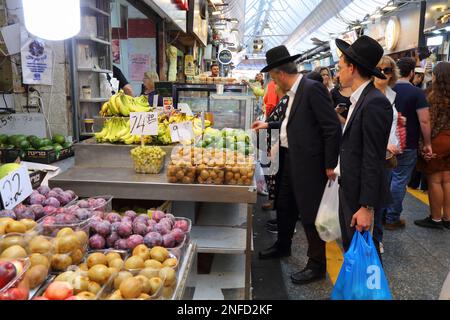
95 39
95 10
222 240
94 100
94 70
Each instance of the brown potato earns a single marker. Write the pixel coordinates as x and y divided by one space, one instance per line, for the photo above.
39 259
95 259
60 261
134 262
99 273
41 245
131 288
36 275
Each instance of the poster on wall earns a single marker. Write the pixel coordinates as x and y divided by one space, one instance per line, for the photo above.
37 62
139 63
115 44
189 65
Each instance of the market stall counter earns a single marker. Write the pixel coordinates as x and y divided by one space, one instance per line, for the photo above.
108 169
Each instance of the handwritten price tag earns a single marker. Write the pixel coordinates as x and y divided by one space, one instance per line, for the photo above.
144 123
181 131
15 187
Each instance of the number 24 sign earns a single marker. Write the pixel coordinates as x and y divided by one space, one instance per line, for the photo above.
144 123
15 187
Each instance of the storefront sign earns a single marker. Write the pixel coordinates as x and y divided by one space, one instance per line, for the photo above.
15 187
37 62
392 33
189 66
144 123
225 56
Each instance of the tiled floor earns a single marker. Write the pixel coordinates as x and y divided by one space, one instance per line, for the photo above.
416 261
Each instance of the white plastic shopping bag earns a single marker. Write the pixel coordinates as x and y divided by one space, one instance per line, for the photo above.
327 220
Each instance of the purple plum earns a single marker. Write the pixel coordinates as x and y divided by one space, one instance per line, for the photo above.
49 210
121 244
158 215
83 214
111 239
7 214
178 235
37 199
72 208
134 241
131 214
51 201
83 204
97 242
127 220
113 217
115 226
162 228
170 222
38 211
182 224
125 229
98 204
169 240
49 221
44 190
58 190
140 228
27 214
72 194
143 217
153 239
20 208
64 198
103 228
52 194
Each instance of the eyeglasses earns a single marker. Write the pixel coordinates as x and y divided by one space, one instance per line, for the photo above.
386 71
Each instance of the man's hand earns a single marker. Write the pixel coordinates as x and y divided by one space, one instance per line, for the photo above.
392 148
258 125
362 219
427 150
330 174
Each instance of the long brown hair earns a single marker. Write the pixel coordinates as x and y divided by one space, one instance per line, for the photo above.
439 98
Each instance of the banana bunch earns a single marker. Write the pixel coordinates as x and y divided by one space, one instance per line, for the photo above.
121 104
117 129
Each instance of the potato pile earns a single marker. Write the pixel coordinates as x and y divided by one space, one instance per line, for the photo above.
9 225
210 166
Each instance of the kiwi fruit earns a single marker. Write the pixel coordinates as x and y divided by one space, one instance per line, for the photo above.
36 275
131 288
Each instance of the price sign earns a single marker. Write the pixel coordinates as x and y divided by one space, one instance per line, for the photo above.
144 123
15 187
181 131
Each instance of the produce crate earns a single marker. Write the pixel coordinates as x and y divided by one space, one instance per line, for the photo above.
9 155
48 156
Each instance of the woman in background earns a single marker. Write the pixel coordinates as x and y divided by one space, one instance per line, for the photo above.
148 87
327 77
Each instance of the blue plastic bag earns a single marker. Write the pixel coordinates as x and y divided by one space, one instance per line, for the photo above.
362 276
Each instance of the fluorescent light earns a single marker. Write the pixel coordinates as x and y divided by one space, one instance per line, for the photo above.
217 1
216 13
389 8
52 20
234 20
376 16
356 27
366 22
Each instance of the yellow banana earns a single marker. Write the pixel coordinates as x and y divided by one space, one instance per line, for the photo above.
124 105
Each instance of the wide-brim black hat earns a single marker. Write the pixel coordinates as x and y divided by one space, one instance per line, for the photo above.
365 52
278 56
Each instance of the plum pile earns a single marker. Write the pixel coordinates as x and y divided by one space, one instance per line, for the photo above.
112 230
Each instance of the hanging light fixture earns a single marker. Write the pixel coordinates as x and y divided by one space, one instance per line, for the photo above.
52 19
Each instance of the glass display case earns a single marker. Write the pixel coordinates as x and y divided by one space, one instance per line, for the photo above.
232 109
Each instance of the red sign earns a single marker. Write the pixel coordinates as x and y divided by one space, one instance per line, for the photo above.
182 4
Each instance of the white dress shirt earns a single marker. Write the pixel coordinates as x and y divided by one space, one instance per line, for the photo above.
354 100
291 93
393 139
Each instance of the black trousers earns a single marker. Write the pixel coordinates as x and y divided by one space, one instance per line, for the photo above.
345 219
287 216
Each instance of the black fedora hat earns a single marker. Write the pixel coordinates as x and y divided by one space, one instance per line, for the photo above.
365 52
278 56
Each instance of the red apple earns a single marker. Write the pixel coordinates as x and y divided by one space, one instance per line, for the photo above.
59 290
40 298
7 272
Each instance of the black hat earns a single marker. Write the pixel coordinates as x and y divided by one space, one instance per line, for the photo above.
278 56
365 52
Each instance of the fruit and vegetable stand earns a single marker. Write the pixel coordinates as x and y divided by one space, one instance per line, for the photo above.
108 169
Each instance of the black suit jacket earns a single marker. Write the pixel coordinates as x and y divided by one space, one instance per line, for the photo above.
314 133
363 151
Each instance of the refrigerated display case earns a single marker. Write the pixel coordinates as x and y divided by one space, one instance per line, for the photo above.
232 109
